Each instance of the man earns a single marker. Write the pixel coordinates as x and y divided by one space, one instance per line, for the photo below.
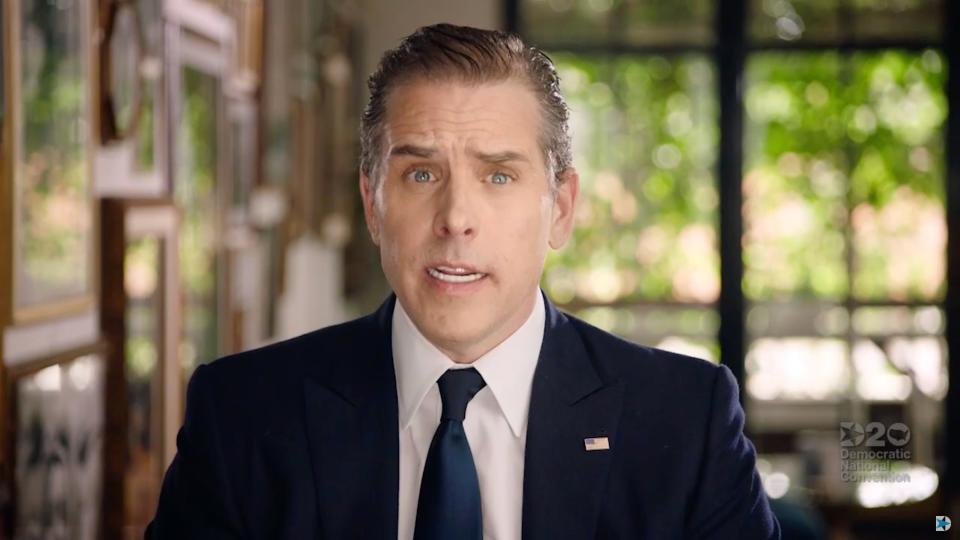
467 406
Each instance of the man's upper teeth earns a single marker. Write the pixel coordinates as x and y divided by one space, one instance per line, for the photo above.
449 270
452 277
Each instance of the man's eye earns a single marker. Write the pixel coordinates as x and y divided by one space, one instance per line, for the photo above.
500 178
421 176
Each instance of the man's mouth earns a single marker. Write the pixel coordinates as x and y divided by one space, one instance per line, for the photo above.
455 274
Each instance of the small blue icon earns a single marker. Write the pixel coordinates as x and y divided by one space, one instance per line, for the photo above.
943 523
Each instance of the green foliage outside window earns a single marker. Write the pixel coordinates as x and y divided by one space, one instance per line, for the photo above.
837 140
644 141
54 222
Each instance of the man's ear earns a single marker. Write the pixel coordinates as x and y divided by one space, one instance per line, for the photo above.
369 208
564 203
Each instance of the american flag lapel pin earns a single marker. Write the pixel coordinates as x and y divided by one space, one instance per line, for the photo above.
596 443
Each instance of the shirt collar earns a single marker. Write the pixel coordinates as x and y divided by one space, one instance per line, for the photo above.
507 368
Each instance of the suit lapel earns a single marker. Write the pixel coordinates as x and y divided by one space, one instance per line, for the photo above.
351 416
352 432
563 482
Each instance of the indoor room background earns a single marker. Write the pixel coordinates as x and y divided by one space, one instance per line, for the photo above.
769 184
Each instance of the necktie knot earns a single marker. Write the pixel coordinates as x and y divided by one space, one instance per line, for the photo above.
449 504
457 388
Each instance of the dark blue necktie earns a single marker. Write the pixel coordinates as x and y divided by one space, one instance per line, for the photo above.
449 506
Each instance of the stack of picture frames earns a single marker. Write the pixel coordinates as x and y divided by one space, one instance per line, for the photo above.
139 265
54 362
175 170
129 146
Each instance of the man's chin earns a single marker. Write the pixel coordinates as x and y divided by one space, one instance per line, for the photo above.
454 334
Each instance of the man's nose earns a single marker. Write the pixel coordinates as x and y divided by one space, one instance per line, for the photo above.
455 215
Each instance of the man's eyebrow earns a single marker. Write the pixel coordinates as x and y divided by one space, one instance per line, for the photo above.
500 157
428 152
412 150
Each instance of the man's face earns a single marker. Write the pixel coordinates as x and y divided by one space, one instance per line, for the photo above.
467 211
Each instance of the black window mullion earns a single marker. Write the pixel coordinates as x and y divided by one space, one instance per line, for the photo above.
511 15
730 55
952 304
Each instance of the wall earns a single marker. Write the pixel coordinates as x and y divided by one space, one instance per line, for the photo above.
313 298
386 22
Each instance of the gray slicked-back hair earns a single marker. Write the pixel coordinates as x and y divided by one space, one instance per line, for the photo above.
470 55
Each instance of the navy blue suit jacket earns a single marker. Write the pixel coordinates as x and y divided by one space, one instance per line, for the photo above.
300 440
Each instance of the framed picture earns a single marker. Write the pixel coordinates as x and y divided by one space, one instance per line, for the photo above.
130 160
199 44
121 55
49 259
140 320
57 424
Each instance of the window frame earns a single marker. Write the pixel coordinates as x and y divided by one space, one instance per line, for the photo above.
729 53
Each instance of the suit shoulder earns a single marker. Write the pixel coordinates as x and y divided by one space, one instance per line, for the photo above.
665 392
288 358
624 359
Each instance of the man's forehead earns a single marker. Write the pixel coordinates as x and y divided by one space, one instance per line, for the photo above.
412 103
444 84
495 120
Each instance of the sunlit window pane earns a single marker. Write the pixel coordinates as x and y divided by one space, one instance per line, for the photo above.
795 180
843 204
901 351
643 261
645 145
832 140
844 218
798 368
895 115
844 256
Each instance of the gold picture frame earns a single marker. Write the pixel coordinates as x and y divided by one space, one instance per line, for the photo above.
131 157
199 44
140 321
48 262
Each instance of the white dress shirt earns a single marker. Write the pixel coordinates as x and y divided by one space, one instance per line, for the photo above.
495 423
